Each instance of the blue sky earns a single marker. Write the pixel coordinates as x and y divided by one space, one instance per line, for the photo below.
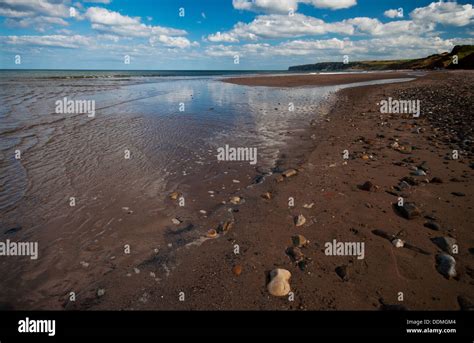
224 34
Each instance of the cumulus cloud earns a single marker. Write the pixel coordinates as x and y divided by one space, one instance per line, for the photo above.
299 25
28 8
398 13
284 6
113 22
280 26
446 13
57 41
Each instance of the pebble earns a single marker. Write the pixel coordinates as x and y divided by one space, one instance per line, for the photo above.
458 194
279 285
174 195
308 205
237 270
436 180
84 264
226 226
176 221
419 172
211 233
100 292
299 241
465 303
447 244
300 220
235 200
409 210
446 265
341 271
267 195
432 225
367 186
295 254
398 243
289 173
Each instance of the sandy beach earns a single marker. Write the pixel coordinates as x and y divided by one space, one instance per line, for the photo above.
231 271
339 178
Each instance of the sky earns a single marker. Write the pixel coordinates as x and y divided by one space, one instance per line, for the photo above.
224 34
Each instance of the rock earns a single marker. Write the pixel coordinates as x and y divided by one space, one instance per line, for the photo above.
279 178
447 244
465 303
365 157
295 254
398 243
299 241
279 285
446 265
237 270
458 194
211 233
367 186
226 226
308 205
423 166
410 180
341 271
409 210
84 264
235 200
12 230
176 221
419 172
100 292
174 195
432 225
267 195
289 173
300 220
436 180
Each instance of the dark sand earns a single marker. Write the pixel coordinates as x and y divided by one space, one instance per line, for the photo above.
314 80
262 228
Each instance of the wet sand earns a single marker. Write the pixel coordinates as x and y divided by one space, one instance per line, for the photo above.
189 270
314 79
205 271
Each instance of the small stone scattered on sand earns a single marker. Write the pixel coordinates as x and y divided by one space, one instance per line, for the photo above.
308 205
100 292
300 220
299 241
295 254
398 243
289 173
176 221
409 210
237 270
174 195
446 265
367 186
447 244
458 194
436 180
267 195
432 225
235 200
279 285
341 271
211 233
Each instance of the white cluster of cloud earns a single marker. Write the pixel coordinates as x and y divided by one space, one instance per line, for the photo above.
447 13
398 13
43 14
286 6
